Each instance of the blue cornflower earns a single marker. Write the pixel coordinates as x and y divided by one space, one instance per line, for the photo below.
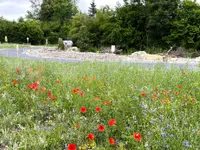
168 126
164 134
141 105
186 144
148 133
162 129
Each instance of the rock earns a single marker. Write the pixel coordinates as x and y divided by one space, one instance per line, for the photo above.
32 52
105 50
74 49
139 53
179 52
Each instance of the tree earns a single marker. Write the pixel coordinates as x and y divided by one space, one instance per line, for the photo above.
92 9
20 19
34 13
31 29
160 14
185 29
53 10
56 10
78 26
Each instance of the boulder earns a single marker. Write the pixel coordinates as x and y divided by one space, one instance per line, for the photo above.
73 49
178 52
139 54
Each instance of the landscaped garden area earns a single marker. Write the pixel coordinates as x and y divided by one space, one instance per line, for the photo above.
97 105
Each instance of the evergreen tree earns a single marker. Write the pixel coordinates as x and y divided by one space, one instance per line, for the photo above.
92 9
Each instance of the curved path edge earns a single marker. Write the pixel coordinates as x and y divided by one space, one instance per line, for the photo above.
11 52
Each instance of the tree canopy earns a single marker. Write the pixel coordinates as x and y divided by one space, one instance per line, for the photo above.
135 25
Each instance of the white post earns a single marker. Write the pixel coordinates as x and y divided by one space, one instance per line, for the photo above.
112 48
27 40
17 50
46 42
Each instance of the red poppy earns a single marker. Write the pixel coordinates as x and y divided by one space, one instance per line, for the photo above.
15 82
154 96
71 147
35 86
53 97
137 136
29 86
76 90
37 68
112 141
49 93
57 80
164 101
82 94
156 89
164 92
96 99
176 93
17 70
143 94
101 128
91 136
193 99
112 122
83 109
77 125
43 89
179 86
85 79
106 102
98 109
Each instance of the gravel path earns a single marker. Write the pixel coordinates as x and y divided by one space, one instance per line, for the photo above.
49 54
23 54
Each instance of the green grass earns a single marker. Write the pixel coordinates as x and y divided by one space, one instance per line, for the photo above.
11 45
166 118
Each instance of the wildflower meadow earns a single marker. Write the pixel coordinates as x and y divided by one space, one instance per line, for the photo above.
97 105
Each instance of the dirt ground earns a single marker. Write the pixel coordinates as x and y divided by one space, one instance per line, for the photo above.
52 53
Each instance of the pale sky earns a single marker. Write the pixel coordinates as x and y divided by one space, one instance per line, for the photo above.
13 9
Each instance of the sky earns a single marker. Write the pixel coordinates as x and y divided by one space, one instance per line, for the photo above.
13 9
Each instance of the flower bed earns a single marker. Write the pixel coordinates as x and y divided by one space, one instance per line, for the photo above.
97 106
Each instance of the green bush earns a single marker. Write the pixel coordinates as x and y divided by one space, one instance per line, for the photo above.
18 32
93 49
61 45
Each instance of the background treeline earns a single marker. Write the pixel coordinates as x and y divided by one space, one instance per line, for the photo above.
135 25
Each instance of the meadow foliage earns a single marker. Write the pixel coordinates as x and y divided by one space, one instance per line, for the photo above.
79 106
